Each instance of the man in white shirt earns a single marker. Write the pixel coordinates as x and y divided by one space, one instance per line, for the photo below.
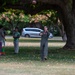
2 40
2 36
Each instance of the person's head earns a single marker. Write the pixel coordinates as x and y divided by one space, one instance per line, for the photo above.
16 29
45 28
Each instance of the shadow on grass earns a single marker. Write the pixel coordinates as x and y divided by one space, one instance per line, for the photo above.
33 54
33 40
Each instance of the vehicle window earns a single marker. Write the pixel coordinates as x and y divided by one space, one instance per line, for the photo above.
36 30
28 29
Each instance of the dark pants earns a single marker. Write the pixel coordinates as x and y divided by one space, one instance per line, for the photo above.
16 46
44 50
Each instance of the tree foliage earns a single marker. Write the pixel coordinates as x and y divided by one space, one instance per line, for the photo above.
66 9
11 18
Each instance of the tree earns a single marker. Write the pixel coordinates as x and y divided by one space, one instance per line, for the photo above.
67 15
66 9
11 18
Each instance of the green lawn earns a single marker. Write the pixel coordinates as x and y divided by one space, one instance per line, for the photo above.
33 53
26 53
32 40
27 62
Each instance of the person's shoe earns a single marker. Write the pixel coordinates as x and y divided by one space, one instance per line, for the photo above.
15 53
42 60
45 58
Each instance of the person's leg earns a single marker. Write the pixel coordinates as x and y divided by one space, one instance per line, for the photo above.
3 47
42 52
0 47
46 51
16 46
4 42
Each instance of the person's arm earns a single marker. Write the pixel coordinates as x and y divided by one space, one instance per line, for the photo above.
48 34
41 34
2 34
18 36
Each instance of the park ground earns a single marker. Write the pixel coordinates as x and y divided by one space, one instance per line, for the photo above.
27 62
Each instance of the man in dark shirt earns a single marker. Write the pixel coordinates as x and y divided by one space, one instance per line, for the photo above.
16 36
44 43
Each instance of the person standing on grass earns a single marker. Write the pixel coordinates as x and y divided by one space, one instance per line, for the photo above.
44 43
16 36
2 41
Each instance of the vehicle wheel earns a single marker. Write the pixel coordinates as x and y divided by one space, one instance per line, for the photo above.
27 36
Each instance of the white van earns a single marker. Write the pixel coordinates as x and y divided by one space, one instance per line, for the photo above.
33 32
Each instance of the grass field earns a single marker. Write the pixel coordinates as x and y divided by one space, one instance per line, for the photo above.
27 62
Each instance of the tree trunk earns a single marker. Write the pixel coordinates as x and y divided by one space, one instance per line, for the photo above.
63 34
69 25
64 38
70 31
70 43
